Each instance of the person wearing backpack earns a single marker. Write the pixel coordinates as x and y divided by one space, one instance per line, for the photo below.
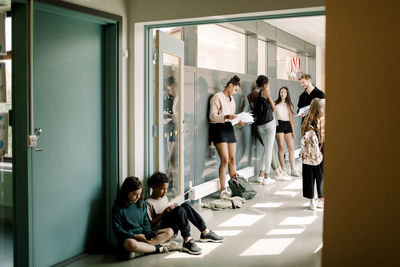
312 140
266 127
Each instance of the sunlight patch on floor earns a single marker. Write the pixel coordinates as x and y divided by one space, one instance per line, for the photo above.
299 220
286 193
291 231
228 232
273 246
296 185
206 249
268 205
318 248
241 220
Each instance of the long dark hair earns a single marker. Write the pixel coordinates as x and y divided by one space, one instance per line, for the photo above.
235 80
130 184
288 99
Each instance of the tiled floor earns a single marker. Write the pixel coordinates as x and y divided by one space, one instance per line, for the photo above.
276 228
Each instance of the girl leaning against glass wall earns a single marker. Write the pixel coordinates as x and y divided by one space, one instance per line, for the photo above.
222 110
285 129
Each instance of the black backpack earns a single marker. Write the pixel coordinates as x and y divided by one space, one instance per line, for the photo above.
240 187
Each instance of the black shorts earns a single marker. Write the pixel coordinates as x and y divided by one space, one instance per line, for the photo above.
222 133
284 127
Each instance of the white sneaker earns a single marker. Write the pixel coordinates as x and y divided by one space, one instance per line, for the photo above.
320 204
283 177
294 173
224 194
312 204
260 179
268 181
134 255
279 177
170 246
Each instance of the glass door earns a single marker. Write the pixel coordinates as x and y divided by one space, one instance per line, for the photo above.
169 112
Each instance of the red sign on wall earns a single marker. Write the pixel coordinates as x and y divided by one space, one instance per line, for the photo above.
295 65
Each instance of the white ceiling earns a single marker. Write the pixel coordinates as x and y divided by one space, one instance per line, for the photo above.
310 29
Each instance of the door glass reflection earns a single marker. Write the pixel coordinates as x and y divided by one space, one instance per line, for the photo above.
170 108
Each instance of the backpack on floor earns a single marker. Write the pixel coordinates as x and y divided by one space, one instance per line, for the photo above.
240 187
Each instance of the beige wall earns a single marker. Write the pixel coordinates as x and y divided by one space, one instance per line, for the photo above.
144 10
361 226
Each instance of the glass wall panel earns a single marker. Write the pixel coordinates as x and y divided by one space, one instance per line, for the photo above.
288 64
262 57
219 48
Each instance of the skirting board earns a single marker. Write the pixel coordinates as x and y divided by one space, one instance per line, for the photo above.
212 186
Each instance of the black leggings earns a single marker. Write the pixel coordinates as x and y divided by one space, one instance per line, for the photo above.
179 217
312 174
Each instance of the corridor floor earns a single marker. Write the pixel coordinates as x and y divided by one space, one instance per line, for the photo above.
276 228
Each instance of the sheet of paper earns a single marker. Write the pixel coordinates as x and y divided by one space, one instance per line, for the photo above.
245 117
303 111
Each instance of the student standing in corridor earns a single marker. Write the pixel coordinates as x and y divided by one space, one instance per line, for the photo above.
222 110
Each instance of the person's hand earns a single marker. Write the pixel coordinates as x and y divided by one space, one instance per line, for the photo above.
240 124
168 209
230 117
293 135
175 205
141 238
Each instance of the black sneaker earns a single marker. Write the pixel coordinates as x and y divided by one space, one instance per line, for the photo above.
191 247
211 237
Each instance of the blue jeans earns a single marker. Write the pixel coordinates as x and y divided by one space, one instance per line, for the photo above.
267 133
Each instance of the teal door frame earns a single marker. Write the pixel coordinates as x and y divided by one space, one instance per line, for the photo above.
22 155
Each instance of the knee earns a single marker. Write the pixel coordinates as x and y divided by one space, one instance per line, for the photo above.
170 233
185 205
180 210
224 161
131 244
232 160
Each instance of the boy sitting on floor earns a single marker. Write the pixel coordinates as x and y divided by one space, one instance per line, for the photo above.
164 214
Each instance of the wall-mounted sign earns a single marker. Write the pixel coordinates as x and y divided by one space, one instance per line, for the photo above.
295 65
3 17
3 84
3 134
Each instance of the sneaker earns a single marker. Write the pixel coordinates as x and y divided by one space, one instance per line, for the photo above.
134 255
268 181
282 177
294 173
191 247
320 204
224 194
170 246
211 237
260 179
312 204
287 177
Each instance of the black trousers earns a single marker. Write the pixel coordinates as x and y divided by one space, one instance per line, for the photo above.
312 174
179 218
